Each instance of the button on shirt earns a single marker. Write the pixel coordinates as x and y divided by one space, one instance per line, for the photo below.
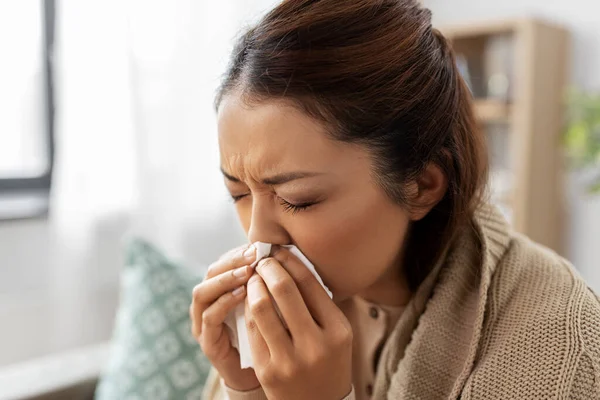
371 324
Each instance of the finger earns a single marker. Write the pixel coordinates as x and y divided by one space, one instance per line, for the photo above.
258 345
263 314
211 289
214 316
320 305
238 257
287 297
196 323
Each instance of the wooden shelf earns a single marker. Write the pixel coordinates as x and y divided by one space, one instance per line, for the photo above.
482 28
489 110
536 65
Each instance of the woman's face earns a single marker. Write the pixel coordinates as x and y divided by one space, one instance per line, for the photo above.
292 184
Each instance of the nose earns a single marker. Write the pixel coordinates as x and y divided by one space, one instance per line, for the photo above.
265 225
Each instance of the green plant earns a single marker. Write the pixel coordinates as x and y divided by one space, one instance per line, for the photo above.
582 134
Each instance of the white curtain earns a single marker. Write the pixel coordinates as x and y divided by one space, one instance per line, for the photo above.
136 132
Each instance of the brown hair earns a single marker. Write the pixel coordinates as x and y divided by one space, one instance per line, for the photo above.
376 73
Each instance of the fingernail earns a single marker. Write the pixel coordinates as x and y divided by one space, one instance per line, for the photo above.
249 251
240 272
238 291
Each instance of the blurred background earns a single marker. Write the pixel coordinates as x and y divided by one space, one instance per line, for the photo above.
107 130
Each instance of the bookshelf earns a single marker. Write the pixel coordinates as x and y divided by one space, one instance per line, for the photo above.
517 71
493 110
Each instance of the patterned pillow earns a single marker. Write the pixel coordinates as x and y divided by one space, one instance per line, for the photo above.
154 356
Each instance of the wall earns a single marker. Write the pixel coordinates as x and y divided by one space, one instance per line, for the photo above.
148 112
582 18
52 298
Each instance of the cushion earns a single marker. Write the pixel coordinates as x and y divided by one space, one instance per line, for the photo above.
153 353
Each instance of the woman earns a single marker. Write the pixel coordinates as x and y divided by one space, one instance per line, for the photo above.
346 130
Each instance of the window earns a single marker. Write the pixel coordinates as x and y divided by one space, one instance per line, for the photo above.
26 107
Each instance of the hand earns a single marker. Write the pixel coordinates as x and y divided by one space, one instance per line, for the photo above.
312 358
220 292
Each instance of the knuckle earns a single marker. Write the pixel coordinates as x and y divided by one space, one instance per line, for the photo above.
282 255
209 351
283 287
306 279
198 292
268 376
208 318
251 325
225 302
343 336
288 370
254 280
224 278
260 307
316 356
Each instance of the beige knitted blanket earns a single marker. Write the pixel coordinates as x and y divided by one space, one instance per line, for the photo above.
499 318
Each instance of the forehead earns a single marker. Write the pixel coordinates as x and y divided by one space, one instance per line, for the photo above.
272 136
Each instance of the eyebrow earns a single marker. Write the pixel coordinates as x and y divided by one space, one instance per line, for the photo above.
277 179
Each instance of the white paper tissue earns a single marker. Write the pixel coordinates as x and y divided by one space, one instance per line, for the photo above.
236 321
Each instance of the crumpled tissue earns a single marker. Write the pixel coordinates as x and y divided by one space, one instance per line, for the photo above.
236 320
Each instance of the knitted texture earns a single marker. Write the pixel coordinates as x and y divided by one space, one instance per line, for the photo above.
504 319
499 317
586 380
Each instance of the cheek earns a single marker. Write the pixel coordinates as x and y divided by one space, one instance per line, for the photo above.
354 248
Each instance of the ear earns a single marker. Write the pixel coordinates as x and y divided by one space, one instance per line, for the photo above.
430 188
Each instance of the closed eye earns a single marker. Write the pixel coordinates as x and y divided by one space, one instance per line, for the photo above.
287 206
237 198
294 208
